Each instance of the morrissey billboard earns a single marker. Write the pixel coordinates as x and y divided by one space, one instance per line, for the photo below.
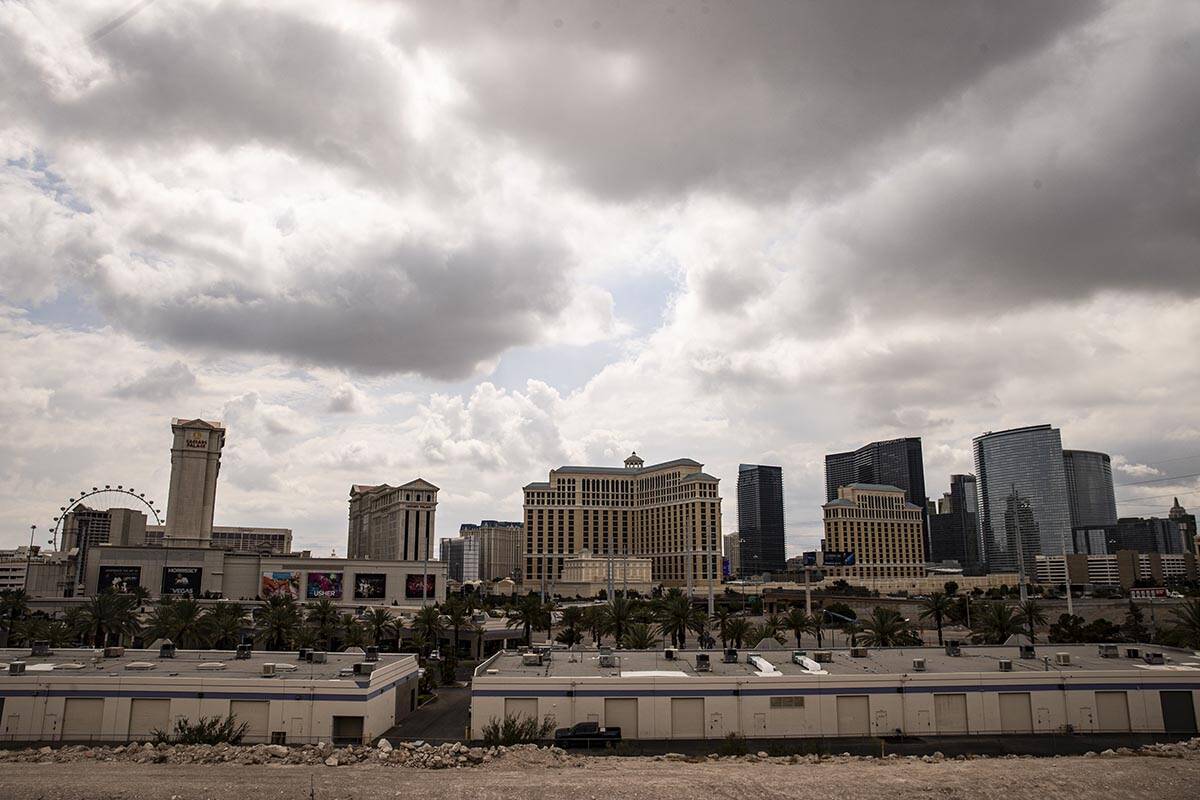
281 583
181 581
326 585
370 586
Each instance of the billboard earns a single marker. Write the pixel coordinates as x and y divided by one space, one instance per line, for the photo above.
412 586
371 586
281 582
121 580
829 558
181 581
324 584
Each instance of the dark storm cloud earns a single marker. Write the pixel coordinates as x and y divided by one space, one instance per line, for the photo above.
437 310
756 98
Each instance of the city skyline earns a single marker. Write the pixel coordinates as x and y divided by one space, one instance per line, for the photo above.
469 247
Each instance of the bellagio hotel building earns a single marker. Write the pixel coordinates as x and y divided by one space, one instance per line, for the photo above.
880 527
669 513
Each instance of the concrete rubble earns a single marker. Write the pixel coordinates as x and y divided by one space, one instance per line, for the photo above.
457 755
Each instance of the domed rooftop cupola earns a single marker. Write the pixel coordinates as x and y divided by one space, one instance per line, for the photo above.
634 461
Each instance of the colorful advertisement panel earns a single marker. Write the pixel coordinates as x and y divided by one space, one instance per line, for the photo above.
121 580
324 584
412 587
281 583
371 586
181 581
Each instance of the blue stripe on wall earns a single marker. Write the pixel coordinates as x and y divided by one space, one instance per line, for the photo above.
834 690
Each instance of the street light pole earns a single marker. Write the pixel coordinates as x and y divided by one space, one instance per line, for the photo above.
29 556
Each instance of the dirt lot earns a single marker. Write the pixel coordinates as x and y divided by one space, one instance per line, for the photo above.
616 779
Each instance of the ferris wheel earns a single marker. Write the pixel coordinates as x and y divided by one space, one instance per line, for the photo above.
102 498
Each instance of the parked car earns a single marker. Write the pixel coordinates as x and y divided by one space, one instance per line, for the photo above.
583 734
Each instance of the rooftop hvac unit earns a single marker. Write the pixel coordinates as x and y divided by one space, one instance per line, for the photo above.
166 649
608 661
114 652
211 666
40 648
953 647
1132 652
918 665
317 657
1062 659
243 651
670 653
372 654
1006 665
1027 651
141 666
606 651
1154 658
491 671
858 652
730 656
16 668
702 663
823 656
285 667
1108 651
364 668
302 654
268 670
531 659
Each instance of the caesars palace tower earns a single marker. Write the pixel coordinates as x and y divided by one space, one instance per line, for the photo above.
195 462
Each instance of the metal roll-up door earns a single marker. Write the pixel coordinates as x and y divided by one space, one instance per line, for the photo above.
256 714
950 713
521 707
1112 711
622 712
83 718
854 715
147 716
687 717
1016 716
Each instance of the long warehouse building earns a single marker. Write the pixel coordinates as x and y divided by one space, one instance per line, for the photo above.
848 692
118 695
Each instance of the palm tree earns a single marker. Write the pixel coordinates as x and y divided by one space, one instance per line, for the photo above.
615 617
225 624
722 617
381 625
798 622
639 637
853 629
526 614
110 614
676 616
937 606
75 623
887 628
738 631
181 621
278 622
757 634
572 621
428 622
353 633
322 614
1187 623
459 615
1031 614
14 606
995 623
593 620
774 623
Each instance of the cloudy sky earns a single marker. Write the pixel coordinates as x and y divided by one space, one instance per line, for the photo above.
472 241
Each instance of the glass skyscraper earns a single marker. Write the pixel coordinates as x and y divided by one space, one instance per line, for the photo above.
1022 488
1090 492
760 519
896 462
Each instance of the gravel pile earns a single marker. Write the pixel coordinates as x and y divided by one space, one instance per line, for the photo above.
418 755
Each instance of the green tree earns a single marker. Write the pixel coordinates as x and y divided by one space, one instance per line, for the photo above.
885 627
352 631
109 614
381 626
322 614
459 615
14 607
526 614
937 607
1135 624
277 622
757 634
1031 615
639 636
722 617
1186 626
615 617
572 621
1069 629
994 622
226 621
738 631
951 587
799 623
677 616
428 623
182 621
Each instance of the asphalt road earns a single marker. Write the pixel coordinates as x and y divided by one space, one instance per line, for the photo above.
446 718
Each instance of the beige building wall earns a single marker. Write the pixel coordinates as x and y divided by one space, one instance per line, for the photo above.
882 530
669 513
392 523
195 465
502 548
